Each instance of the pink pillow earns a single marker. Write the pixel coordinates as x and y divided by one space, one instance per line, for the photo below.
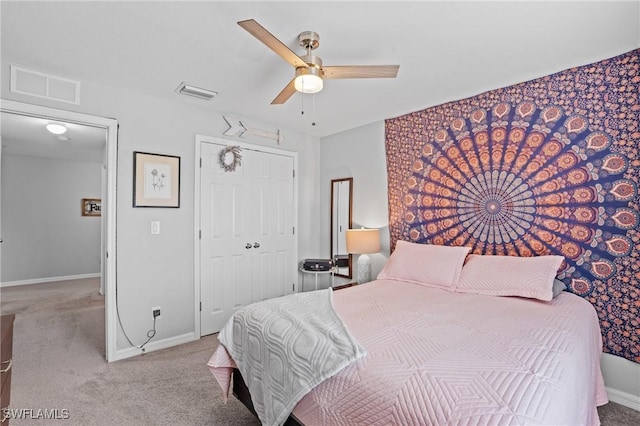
530 277
425 264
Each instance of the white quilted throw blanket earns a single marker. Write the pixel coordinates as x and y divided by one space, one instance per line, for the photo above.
286 346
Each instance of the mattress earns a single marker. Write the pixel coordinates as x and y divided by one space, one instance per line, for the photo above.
436 357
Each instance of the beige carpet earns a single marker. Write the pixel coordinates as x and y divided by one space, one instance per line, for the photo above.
59 364
59 348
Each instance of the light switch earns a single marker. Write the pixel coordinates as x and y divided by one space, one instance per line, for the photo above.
155 228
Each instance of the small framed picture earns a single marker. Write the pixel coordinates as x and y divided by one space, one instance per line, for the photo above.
156 180
91 207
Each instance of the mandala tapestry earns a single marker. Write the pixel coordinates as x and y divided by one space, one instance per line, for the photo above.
549 166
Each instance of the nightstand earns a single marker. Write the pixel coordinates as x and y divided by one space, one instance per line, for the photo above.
305 271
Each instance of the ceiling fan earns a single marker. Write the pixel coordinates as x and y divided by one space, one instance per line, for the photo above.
310 73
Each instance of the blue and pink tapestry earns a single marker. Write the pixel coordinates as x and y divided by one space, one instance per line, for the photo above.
550 166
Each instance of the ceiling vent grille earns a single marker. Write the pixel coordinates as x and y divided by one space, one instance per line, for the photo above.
196 92
41 85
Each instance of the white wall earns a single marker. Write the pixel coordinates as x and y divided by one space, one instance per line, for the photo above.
622 379
158 270
44 234
360 153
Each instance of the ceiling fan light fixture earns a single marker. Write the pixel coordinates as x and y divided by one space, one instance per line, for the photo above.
307 80
56 128
310 73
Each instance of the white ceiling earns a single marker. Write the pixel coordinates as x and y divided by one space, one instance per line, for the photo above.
24 135
446 50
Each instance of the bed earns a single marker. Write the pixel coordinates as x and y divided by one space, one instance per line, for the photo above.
447 344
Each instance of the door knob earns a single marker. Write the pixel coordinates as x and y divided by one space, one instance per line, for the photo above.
256 245
248 246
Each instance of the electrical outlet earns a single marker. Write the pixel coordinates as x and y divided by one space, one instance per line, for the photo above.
155 312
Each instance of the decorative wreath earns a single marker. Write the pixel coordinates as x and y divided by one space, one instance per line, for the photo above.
230 162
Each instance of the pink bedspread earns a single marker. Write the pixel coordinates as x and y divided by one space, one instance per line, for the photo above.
436 357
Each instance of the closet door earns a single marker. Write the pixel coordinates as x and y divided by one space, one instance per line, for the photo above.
246 246
272 220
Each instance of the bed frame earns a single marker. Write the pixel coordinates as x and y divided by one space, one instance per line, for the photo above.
241 391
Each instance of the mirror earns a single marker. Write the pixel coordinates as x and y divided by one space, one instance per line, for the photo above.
341 200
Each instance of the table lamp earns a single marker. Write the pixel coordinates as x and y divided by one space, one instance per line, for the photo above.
362 242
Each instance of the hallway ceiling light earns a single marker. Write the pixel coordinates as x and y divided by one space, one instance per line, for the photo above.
56 128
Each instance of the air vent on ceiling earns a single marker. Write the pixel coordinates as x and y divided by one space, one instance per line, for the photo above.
196 92
47 86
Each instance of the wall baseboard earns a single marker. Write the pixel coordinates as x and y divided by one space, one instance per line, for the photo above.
623 398
155 346
49 279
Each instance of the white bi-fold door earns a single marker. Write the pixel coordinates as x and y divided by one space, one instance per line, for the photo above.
247 247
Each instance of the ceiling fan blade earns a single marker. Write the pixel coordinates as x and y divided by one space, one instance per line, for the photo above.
360 71
286 93
259 32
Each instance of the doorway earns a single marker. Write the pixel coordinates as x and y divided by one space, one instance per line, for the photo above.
108 127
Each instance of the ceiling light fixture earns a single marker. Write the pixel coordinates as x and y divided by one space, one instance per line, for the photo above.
308 80
310 73
56 128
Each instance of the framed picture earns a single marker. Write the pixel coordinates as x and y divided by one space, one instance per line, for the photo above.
91 207
156 180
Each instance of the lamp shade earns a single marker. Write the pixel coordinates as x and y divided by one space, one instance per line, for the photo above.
363 241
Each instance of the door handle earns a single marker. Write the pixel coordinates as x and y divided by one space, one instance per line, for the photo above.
256 245
248 246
